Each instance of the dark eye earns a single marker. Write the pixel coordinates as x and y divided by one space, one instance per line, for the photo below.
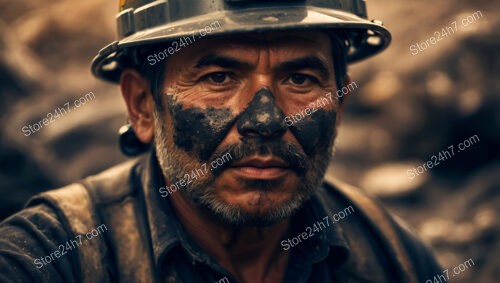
218 77
298 79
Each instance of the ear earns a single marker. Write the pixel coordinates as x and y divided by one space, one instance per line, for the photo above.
345 98
140 104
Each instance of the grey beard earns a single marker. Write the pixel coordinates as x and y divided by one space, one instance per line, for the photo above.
175 166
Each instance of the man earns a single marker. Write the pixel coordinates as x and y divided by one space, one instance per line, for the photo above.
235 104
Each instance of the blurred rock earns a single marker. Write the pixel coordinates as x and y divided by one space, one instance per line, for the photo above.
391 180
381 89
45 53
19 68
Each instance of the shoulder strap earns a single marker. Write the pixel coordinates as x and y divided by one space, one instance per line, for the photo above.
119 254
382 224
118 203
75 208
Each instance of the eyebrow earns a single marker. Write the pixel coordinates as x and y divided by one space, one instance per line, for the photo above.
309 62
221 61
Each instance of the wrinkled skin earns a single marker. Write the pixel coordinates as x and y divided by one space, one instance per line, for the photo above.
232 95
217 106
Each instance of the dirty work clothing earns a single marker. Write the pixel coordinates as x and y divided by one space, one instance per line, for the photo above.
115 227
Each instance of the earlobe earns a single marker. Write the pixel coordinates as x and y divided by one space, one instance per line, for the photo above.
139 101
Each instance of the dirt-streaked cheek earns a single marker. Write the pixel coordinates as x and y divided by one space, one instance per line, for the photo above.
198 130
315 133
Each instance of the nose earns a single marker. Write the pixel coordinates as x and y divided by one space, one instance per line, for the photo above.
262 117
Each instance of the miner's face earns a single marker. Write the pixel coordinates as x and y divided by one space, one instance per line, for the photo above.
248 123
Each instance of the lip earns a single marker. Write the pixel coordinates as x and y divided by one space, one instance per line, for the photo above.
260 168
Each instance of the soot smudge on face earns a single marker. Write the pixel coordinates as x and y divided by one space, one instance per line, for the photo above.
199 130
316 131
262 116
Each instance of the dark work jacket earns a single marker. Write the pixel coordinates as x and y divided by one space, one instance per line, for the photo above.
115 227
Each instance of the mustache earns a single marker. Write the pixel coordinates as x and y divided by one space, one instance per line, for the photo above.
287 151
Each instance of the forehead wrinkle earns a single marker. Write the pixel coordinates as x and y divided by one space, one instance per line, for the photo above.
279 43
212 58
267 42
264 56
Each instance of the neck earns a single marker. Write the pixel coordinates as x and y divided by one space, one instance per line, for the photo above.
246 252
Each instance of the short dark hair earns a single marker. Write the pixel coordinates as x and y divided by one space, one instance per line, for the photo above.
155 74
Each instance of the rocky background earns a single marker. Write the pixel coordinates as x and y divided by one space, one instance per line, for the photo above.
406 109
